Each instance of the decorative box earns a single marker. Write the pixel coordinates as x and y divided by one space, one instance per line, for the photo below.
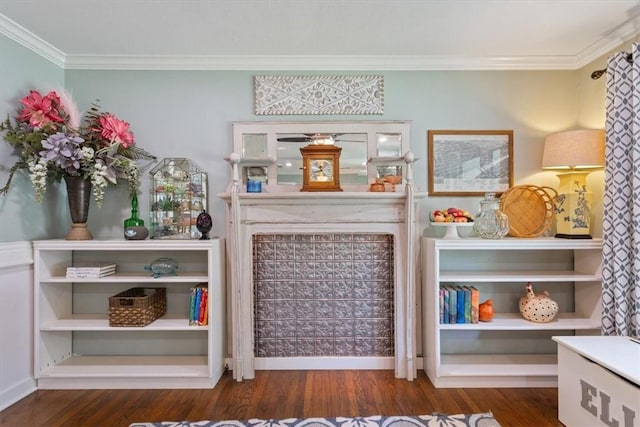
178 195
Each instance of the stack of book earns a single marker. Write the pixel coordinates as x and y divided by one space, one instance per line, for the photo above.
198 305
459 304
93 271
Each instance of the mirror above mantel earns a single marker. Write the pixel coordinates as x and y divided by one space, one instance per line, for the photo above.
270 151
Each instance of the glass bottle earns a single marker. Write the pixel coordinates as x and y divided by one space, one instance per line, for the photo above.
491 222
134 221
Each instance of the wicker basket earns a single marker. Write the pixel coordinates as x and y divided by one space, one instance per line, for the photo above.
530 209
137 306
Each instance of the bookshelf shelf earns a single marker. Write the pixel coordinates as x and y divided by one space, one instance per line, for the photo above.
74 345
509 351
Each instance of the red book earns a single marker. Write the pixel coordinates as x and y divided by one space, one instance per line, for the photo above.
203 312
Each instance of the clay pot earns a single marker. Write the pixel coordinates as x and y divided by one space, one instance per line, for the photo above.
377 187
485 311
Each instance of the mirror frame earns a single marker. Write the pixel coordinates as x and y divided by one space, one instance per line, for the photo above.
272 129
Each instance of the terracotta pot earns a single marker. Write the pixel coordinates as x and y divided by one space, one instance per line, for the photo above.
485 311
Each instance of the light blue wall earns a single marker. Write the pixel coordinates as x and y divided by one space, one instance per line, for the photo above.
20 217
189 114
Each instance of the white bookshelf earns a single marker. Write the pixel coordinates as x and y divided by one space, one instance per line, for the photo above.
74 346
509 351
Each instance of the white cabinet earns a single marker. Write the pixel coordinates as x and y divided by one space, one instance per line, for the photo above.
508 351
74 346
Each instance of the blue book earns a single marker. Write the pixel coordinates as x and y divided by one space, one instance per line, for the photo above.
445 305
460 305
467 304
453 296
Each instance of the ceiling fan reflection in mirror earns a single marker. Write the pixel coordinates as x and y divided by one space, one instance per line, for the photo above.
319 138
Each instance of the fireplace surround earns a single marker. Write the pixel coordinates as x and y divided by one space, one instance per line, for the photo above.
336 213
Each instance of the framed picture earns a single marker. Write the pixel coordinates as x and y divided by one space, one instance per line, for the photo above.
469 162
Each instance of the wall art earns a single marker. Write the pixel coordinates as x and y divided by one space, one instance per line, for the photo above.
321 95
469 162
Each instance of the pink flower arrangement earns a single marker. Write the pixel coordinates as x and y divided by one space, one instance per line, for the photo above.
51 142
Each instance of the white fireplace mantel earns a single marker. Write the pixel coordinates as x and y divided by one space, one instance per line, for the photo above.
322 212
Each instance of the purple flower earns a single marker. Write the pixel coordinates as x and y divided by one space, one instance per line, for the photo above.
64 150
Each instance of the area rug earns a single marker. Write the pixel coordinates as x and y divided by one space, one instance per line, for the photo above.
434 420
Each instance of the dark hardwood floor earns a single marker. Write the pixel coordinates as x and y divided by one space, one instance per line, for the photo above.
283 394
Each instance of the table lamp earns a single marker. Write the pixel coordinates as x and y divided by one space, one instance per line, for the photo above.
577 152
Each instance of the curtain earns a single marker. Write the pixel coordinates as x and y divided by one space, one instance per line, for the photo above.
621 219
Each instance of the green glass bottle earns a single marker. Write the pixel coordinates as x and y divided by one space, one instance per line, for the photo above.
134 221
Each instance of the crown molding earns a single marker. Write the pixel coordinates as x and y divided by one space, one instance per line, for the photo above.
315 62
613 39
619 35
32 42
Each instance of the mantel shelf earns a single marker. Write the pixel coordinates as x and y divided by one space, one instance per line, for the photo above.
322 198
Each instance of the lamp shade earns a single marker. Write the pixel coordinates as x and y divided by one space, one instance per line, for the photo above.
574 149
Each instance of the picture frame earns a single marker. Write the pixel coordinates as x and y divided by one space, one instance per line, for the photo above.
469 162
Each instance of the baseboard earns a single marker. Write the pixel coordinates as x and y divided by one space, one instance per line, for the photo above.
17 392
419 363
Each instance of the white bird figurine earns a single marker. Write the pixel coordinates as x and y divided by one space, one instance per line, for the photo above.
538 308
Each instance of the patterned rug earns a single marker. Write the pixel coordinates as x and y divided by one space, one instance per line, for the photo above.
434 420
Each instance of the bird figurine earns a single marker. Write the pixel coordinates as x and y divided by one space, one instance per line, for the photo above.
537 307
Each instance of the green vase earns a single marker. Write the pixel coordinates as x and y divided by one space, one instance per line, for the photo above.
134 221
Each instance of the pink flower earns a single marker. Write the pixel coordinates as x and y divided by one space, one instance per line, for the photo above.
39 111
115 130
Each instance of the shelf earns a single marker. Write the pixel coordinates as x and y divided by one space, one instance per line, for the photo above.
74 346
129 366
515 322
100 322
470 365
517 276
482 354
143 277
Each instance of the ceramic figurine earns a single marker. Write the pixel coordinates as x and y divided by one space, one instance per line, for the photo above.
485 311
163 267
537 308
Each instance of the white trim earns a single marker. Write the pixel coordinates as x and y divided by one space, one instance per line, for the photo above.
15 253
32 42
323 363
16 392
41 47
621 35
316 62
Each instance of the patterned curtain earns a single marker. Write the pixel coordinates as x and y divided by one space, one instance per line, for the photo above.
621 222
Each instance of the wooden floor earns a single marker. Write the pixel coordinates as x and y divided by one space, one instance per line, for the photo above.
282 394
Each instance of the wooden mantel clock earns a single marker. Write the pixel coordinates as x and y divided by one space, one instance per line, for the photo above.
321 168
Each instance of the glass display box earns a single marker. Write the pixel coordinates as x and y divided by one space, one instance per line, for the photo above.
178 195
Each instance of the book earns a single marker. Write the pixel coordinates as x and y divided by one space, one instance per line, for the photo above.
202 320
445 304
197 305
453 305
475 304
459 305
91 271
467 304
441 305
192 306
